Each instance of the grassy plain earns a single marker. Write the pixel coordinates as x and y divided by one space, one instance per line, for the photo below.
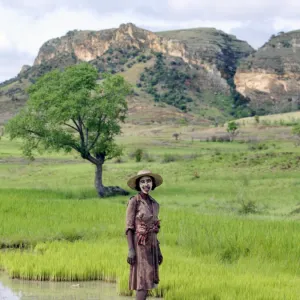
276 119
230 214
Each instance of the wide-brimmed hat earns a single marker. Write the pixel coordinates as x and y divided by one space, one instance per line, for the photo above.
132 181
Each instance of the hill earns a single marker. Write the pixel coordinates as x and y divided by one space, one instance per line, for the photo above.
185 75
270 77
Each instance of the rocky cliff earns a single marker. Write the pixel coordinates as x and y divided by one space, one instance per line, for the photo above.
191 70
88 45
270 77
212 49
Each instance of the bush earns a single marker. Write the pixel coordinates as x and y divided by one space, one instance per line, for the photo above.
192 156
147 157
213 138
119 160
223 138
137 154
254 146
232 129
110 51
129 65
230 254
196 175
170 158
248 207
123 61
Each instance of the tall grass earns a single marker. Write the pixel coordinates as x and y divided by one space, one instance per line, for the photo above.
58 230
204 254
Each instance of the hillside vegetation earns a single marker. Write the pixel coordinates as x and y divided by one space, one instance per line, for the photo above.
270 77
198 81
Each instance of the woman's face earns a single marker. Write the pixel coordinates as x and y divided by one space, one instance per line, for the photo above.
146 184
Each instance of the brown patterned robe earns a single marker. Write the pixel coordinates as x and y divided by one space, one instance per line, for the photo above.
142 218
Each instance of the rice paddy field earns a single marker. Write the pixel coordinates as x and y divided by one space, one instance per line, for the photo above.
230 215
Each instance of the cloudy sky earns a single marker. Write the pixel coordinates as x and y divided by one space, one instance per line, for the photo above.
26 25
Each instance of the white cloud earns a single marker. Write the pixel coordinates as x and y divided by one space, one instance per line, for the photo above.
221 7
4 42
27 34
26 25
281 24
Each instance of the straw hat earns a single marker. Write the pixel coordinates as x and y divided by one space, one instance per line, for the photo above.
132 181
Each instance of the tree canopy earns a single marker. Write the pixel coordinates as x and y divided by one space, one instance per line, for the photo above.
232 129
69 110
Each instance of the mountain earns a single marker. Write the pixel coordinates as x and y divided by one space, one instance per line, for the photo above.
270 76
178 76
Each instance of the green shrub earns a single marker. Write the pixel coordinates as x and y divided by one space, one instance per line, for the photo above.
248 207
256 146
213 138
118 160
137 154
196 175
147 157
223 138
170 158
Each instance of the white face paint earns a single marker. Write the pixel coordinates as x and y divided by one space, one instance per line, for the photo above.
146 184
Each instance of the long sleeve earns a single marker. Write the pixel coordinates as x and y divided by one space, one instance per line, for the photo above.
130 215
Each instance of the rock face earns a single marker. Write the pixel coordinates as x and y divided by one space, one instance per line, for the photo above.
218 57
270 77
87 45
179 76
212 48
24 69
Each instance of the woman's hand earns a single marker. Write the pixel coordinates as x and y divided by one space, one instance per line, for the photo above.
131 258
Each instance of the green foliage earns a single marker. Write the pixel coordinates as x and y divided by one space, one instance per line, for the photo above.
115 59
232 126
72 100
220 139
167 158
167 83
138 154
110 51
248 207
232 129
257 146
129 65
176 135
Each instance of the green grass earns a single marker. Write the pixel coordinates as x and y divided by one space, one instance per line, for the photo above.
213 247
287 119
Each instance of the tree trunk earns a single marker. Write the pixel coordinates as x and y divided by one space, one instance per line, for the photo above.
98 180
107 191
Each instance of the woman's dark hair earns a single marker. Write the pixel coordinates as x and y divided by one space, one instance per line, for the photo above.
137 184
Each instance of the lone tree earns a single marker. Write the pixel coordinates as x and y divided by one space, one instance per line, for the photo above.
176 136
232 129
67 110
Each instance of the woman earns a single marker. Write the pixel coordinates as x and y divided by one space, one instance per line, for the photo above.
142 226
